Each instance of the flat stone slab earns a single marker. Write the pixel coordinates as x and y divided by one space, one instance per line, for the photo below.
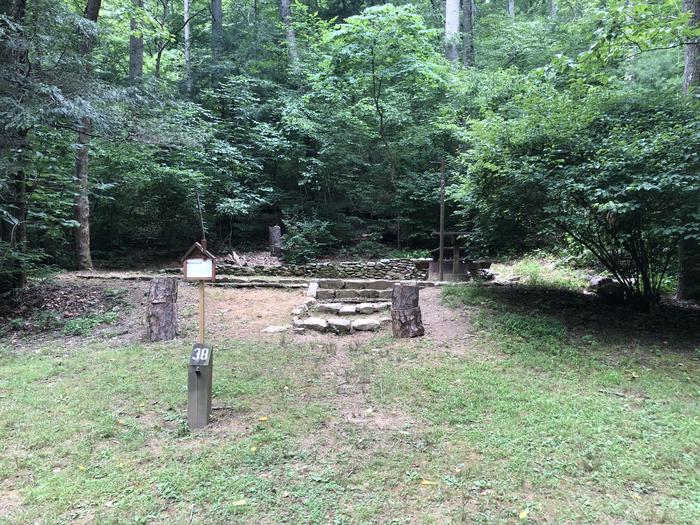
325 294
276 329
365 308
340 326
313 289
348 309
346 293
369 293
333 308
330 283
365 325
315 323
378 307
355 284
385 294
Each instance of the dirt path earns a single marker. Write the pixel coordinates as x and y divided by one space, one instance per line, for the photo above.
231 313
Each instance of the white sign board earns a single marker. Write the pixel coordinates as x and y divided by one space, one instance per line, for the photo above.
199 269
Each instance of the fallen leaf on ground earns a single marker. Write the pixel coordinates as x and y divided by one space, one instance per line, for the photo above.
427 482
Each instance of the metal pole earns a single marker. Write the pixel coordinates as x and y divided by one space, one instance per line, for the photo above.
442 219
201 312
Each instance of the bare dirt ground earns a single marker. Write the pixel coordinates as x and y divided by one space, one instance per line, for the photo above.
231 313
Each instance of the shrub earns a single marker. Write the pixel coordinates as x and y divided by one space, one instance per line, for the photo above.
305 239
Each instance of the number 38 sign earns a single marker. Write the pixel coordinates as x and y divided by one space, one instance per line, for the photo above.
200 355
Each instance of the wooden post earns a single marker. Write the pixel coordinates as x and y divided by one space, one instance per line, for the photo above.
406 318
161 315
201 312
455 255
441 273
275 241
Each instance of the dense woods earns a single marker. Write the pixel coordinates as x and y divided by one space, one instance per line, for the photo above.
567 126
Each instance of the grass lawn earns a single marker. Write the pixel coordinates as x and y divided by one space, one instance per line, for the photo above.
532 419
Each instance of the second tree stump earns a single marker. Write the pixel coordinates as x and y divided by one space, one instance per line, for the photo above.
406 318
161 316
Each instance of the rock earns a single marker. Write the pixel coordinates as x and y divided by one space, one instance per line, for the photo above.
298 311
348 309
313 289
607 289
299 329
315 323
346 294
330 284
487 275
325 294
339 326
308 302
384 320
365 308
385 294
369 293
378 307
381 285
333 308
276 329
514 279
365 325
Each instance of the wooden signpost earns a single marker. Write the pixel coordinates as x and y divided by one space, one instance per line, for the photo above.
199 265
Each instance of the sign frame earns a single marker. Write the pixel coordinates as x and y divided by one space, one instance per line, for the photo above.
198 252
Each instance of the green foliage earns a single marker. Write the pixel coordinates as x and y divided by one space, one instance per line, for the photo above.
305 239
567 132
85 324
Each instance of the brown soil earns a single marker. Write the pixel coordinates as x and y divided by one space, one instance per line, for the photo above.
230 313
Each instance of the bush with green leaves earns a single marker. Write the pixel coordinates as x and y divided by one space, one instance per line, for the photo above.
305 239
615 170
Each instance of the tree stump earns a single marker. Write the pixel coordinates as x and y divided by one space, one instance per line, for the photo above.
161 316
406 318
275 241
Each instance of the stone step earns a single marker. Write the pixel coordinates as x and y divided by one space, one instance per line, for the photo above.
339 325
344 309
352 294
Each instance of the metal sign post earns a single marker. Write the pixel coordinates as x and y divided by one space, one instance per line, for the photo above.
199 265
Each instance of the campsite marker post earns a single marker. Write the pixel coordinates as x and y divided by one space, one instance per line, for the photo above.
199 265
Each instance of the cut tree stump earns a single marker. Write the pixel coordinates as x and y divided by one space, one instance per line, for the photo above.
161 317
275 241
406 318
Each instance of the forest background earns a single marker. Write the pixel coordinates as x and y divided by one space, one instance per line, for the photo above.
563 125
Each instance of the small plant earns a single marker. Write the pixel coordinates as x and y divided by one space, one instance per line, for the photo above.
82 326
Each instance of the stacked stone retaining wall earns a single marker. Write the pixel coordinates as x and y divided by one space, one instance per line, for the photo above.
394 269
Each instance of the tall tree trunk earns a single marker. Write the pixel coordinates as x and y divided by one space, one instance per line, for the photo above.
691 71
217 29
286 14
451 29
553 9
82 202
510 8
689 249
13 142
188 58
136 48
468 31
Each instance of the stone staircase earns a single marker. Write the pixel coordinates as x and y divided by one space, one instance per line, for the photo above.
343 306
